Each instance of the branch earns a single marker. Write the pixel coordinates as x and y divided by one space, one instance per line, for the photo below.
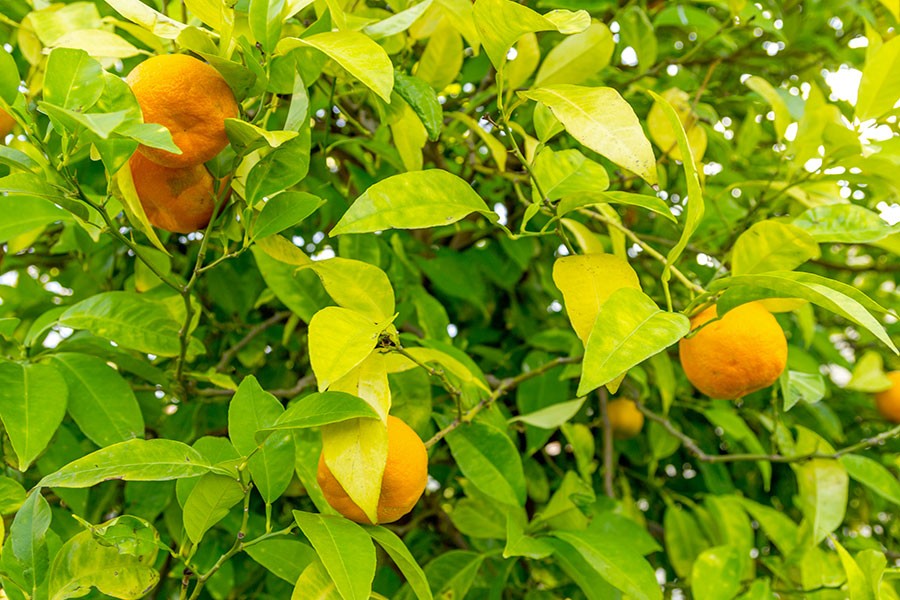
645 247
229 354
504 386
693 447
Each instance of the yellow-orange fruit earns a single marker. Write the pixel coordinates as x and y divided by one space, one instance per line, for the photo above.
405 475
625 418
741 353
888 401
7 124
188 97
177 200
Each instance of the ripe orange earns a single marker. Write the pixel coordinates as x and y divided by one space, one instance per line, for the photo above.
405 475
625 418
191 99
743 352
888 401
178 200
7 124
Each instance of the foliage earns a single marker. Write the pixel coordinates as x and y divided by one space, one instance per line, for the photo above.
420 196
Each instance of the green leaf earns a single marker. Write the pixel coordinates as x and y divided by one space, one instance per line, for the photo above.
629 329
873 475
134 460
321 408
846 223
397 23
602 120
247 137
777 526
12 495
345 549
357 286
280 169
684 539
587 282
315 582
822 485
552 416
421 98
857 583
615 561
250 410
27 536
209 503
131 320
100 400
501 22
9 78
339 340
717 573
25 213
412 201
868 374
265 18
401 556
32 405
694 199
452 574
284 211
73 80
594 586
772 246
101 125
651 203
577 58
797 386
84 563
285 558
301 291
879 88
357 53
488 458
837 297
774 99
567 173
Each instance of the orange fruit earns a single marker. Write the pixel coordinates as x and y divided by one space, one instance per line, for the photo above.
888 401
177 200
742 352
188 97
7 124
625 418
405 475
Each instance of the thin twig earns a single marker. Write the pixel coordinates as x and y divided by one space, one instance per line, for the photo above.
645 247
505 386
229 354
693 447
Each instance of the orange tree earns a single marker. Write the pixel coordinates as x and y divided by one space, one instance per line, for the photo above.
537 235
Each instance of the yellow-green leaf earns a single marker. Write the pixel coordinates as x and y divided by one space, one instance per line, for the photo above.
603 121
356 453
340 339
586 282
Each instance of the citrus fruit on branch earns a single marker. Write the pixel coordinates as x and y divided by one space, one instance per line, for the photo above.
190 99
405 475
736 355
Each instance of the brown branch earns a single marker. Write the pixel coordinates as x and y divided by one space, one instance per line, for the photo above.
229 354
693 447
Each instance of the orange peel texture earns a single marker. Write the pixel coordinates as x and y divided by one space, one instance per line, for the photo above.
177 200
741 353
